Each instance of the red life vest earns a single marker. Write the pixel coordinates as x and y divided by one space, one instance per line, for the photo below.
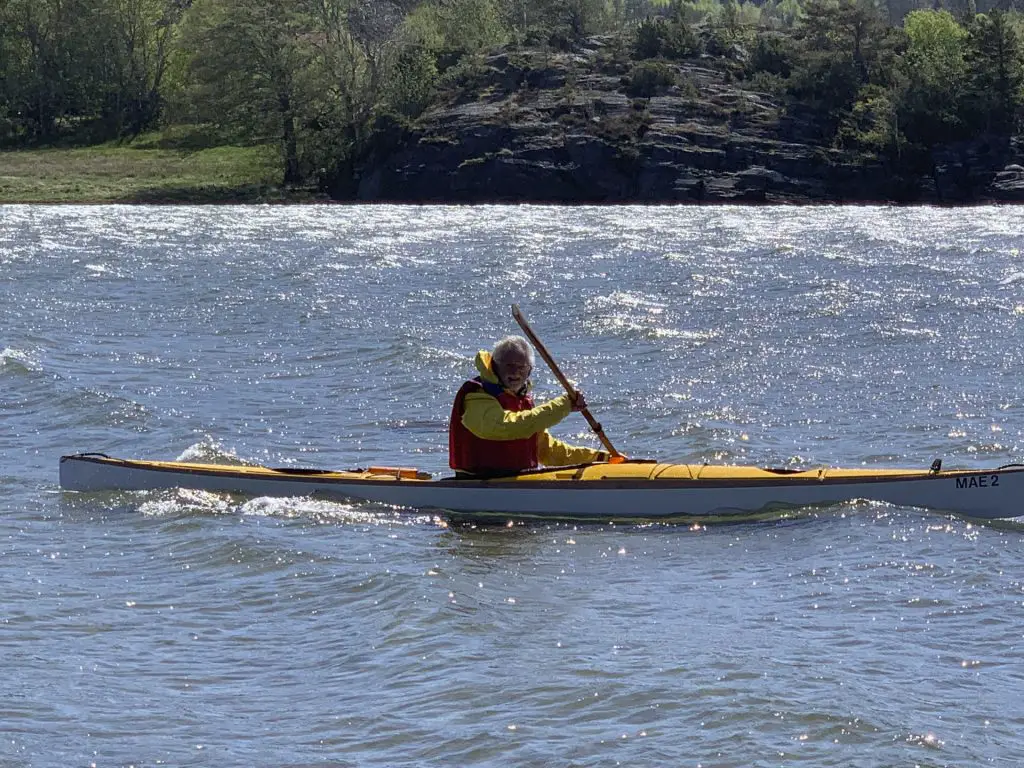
469 453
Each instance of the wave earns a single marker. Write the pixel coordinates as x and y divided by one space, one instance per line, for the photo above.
1013 277
184 501
211 451
18 361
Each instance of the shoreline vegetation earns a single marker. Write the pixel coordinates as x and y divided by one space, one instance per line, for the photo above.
480 101
142 173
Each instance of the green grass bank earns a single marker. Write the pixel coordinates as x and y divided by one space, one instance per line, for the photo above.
150 169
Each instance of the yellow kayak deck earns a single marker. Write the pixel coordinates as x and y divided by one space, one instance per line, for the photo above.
717 472
629 471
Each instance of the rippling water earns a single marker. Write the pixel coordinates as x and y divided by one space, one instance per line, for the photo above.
183 628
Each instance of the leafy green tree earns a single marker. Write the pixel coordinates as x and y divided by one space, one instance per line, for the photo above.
729 18
409 88
872 123
995 73
249 63
358 44
371 57
55 66
698 11
843 46
773 53
577 18
847 28
784 13
827 83
936 76
142 44
650 78
89 69
469 26
749 15
535 17
672 39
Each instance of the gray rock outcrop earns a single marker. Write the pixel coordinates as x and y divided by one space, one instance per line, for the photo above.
563 127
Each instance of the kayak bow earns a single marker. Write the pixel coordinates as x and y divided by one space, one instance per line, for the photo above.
599 492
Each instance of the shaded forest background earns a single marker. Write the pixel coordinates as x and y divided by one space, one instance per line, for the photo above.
319 79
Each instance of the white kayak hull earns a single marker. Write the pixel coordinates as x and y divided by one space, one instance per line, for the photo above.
597 492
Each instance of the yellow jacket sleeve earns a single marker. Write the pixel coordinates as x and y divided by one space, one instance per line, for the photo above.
553 452
485 418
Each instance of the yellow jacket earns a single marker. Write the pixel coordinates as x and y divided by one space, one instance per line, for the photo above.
485 418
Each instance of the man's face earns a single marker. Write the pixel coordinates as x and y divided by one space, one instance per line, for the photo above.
513 371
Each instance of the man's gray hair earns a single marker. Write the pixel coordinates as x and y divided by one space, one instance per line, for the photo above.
512 346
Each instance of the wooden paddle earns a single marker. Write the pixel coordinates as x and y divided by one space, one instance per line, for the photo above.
616 457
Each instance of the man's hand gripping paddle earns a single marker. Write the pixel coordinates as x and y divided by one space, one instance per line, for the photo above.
614 456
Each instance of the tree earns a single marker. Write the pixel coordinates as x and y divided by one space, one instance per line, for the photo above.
356 49
577 18
55 65
936 74
467 26
249 61
411 84
673 39
696 11
772 53
842 46
848 28
141 48
88 69
872 123
995 63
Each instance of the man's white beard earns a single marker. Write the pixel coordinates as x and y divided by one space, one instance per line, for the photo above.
515 385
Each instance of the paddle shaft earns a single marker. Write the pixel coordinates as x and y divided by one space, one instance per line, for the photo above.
543 352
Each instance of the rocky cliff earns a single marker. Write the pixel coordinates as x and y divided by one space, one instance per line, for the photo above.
569 127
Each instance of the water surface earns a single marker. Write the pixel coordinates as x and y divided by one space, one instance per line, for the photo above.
184 628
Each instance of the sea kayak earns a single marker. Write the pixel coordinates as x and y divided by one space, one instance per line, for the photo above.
632 491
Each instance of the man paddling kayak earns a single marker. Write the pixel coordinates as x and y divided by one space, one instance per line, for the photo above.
495 426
